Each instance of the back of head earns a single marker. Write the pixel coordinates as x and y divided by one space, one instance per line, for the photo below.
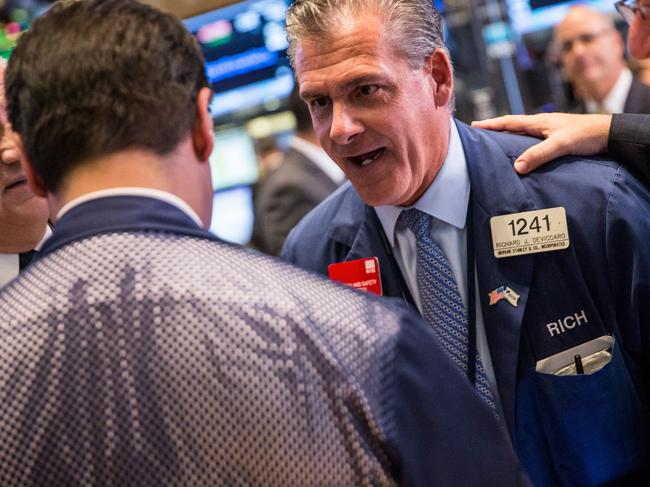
415 25
94 77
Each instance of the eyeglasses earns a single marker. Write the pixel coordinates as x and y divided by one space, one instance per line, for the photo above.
585 39
628 12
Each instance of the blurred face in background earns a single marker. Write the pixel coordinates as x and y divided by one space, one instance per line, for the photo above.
638 38
23 216
591 52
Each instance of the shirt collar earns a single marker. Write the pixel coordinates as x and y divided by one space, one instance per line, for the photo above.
319 157
615 100
446 199
146 192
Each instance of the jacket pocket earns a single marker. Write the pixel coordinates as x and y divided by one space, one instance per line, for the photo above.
594 424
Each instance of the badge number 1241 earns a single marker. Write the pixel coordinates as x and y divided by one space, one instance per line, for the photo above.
529 232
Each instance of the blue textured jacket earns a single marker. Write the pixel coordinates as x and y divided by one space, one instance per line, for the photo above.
568 430
138 350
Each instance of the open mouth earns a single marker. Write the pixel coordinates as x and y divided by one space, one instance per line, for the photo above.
15 184
367 158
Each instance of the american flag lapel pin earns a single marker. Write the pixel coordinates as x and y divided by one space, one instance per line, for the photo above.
497 295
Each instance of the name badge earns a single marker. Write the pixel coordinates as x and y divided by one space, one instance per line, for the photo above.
362 274
529 232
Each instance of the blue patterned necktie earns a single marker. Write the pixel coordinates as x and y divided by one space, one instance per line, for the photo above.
442 304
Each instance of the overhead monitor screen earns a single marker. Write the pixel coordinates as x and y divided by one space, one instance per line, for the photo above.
232 214
244 46
233 160
528 16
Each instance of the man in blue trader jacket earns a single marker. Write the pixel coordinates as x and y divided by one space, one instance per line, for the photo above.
538 287
140 350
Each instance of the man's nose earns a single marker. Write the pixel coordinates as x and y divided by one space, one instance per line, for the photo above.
345 126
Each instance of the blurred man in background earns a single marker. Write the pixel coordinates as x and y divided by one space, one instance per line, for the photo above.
23 216
138 350
305 177
626 137
591 52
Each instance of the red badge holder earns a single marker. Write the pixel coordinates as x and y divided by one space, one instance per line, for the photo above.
362 274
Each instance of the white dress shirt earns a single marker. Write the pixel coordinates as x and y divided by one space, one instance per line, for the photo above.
319 157
615 100
10 263
446 200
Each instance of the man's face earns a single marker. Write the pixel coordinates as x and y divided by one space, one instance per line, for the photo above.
20 210
591 52
638 38
384 123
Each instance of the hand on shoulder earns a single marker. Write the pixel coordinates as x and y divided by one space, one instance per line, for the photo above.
564 134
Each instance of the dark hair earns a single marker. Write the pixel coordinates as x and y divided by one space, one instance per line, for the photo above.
300 110
94 77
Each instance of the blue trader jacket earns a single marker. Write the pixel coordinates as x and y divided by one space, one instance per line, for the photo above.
582 430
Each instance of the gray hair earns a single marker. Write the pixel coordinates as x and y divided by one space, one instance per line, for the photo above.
414 25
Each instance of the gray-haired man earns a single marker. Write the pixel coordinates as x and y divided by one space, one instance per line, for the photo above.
515 276
139 350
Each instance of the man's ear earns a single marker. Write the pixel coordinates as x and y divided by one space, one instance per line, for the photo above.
202 137
439 68
34 181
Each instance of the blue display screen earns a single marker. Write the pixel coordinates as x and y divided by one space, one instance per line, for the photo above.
244 46
233 161
232 214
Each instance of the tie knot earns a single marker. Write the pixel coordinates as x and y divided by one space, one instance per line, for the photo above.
417 221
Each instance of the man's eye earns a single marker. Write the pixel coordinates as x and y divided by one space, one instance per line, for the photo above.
367 90
320 102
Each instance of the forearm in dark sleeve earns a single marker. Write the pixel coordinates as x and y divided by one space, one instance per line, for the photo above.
629 143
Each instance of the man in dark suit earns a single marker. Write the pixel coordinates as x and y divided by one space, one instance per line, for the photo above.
23 216
626 137
305 177
537 287
591 53
139 350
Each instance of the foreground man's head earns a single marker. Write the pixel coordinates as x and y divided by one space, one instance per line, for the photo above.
93 79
